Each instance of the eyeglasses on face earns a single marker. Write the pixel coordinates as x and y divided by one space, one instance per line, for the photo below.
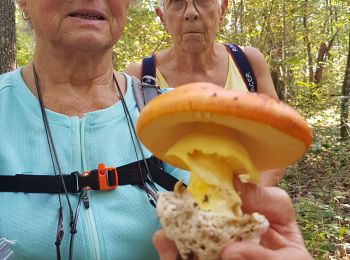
181 4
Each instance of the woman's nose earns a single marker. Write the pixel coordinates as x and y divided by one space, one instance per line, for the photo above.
191 12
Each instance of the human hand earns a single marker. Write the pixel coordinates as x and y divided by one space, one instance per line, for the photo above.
270 178
282 240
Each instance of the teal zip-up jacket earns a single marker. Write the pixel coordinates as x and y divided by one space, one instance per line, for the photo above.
118 225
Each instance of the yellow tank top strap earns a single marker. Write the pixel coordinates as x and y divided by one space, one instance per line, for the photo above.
161 80
234 79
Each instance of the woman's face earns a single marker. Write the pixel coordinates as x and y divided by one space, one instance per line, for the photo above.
84 24
192 23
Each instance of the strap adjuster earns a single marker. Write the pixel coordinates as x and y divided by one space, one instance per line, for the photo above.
102 178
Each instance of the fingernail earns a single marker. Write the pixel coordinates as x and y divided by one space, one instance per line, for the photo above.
233 257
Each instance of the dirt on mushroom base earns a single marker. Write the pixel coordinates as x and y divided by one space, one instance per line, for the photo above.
201 234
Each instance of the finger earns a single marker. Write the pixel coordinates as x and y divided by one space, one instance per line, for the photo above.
271 239
272 202
165 247
246 250
270 178
277 237
252 251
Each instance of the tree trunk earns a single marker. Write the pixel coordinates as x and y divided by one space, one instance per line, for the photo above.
344 114
7 36
284 64
322 53
308 42
278 83
235 17
241 21
321 58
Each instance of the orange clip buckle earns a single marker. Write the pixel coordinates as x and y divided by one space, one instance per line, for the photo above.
107 177
101 178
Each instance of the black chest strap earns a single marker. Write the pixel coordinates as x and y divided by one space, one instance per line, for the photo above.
127 175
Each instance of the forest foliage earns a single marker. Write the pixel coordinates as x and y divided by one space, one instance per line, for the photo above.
306 45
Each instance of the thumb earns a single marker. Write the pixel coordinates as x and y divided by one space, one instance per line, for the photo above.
166 248
272 202
246 250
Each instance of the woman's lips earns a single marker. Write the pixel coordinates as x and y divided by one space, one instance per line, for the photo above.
88 15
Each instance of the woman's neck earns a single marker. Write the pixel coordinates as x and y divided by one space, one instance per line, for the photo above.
78 68
74 83
196 62
178 67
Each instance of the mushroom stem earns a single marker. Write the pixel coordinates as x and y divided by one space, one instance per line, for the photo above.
213 158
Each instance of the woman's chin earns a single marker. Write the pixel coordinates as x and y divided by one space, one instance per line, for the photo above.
194 46
88 42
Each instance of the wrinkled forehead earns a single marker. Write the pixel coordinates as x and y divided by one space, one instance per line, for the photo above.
162 3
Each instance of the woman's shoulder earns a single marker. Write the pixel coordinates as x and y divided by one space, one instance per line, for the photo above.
134 69
252 53
9 79
261 71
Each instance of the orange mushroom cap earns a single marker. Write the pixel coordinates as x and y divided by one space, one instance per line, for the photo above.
273 133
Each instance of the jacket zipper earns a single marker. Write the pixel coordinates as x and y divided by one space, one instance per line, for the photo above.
91 225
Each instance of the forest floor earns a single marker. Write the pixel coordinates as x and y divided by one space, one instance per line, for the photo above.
319 185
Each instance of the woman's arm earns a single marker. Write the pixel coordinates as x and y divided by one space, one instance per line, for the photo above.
261 71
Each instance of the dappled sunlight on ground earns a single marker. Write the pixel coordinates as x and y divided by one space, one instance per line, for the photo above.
326 118
320 188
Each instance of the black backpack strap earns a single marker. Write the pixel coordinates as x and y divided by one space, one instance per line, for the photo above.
243 66
148 70
127 175
144 92
138 93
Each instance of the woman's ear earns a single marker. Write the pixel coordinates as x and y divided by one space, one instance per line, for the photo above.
224 5
22 4
159 12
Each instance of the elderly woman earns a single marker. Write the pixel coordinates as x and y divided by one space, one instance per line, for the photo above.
195 56
66 112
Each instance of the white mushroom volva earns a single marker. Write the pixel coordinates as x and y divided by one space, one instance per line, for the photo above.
216 134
